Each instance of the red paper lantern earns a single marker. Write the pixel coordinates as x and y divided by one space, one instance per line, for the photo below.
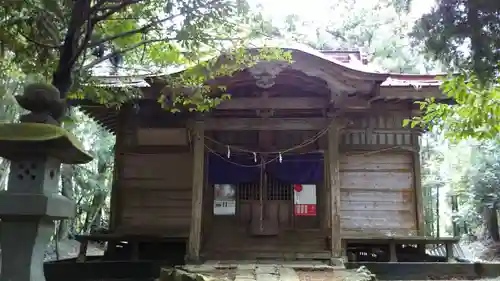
297 187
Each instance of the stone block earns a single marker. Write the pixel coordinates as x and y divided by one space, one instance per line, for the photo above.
53 207
181 275
38 175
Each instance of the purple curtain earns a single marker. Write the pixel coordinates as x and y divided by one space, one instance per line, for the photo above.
232 171
298 169
293 169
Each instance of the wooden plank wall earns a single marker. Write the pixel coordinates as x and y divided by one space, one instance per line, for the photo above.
156 192
377 195
377 176
155 184
377 189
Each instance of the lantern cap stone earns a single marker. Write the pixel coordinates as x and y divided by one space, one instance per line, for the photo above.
41 97
27 140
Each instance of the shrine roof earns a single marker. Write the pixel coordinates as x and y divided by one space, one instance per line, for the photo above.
352 60
332 66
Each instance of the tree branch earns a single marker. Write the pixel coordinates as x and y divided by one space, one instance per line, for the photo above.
38 43
111 9
62 79
124 50
147 26
127 33
143 43
48 25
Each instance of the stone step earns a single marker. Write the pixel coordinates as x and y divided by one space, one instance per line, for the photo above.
263 270
244 275
267 272
245 272
288 274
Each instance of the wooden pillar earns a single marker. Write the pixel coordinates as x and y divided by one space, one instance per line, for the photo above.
450 256
115 200
198 140
333 163
324 199
393 255
417 185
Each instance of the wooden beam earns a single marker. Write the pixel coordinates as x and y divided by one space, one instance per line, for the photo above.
162 136
125 124
268 124
417 185
333 163
266 140
410 92
274 103
353 102
325 198
194 242
114 208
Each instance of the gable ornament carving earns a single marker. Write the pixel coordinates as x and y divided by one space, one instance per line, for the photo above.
265 73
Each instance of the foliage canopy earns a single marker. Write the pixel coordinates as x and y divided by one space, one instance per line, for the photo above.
475 112
466 35
66 42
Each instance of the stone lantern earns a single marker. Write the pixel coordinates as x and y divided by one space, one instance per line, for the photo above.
36 147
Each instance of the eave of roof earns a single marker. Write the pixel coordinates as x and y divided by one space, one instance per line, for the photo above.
362 71
355 69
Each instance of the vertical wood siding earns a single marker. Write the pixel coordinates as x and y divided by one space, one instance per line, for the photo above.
377 129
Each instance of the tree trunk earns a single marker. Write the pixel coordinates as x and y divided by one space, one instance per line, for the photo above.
4 175
438 220
490 217
93 218
96 224
67 191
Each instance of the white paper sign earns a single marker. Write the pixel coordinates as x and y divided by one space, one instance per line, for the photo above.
304 199
305 194
224 207
224 199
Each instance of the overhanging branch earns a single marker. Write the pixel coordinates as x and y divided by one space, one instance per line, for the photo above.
110 10
148 26
144 43
44 45
124 50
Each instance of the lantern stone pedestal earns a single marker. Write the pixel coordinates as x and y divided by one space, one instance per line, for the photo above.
32 201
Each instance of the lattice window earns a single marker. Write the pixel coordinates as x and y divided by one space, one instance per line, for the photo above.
248 191
278 190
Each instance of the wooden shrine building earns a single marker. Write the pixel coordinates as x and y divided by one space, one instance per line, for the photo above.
302 157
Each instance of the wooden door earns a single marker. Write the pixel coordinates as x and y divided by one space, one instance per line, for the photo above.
267 208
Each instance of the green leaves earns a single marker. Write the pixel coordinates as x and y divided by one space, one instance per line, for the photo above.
127 38
189 89
463 34
474 114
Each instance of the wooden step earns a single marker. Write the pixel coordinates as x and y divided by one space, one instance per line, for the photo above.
273 248
270 241
282 255
250 245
